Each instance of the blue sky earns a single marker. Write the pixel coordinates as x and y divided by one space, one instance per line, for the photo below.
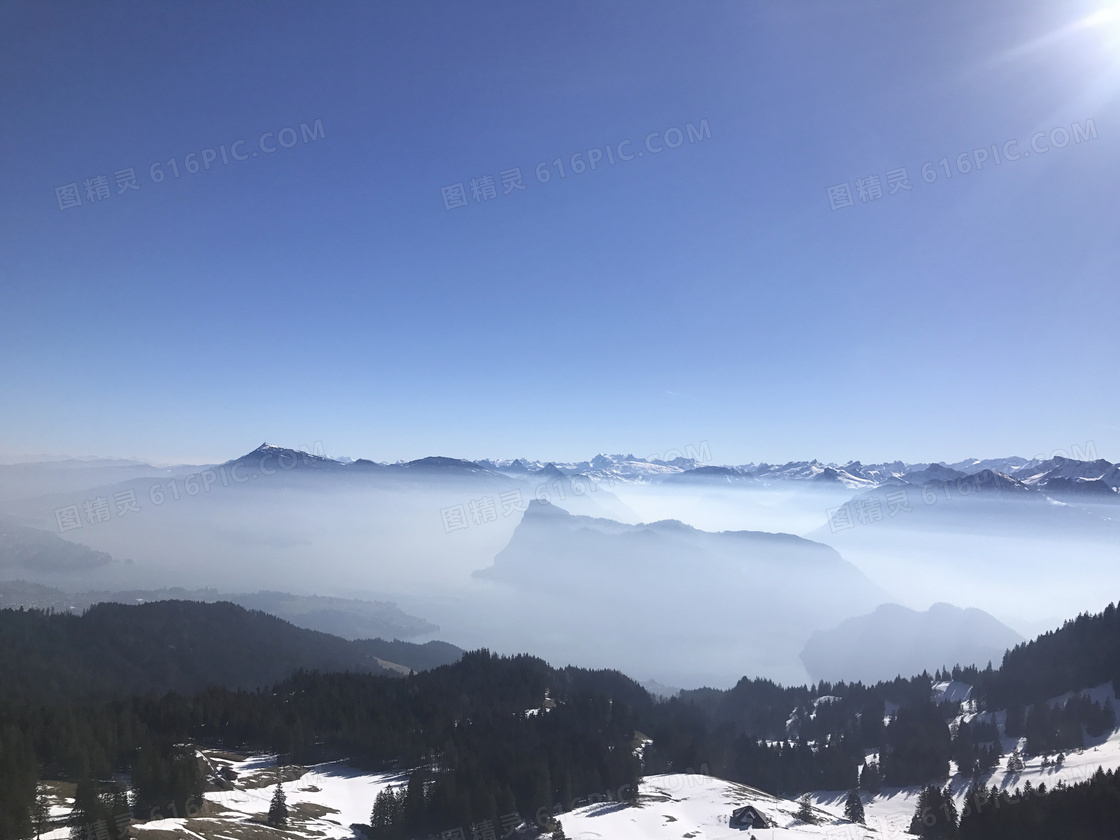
707 292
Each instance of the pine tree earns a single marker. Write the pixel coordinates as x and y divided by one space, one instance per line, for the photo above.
278 809
935 817
415 806
869 778
88 809
1015 762
41 811
853 808
805 809
380 816
1013 724
120 813
386 817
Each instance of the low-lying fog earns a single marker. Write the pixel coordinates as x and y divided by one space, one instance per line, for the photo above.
675 604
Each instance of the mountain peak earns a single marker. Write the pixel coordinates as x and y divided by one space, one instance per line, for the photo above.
283 457
542 508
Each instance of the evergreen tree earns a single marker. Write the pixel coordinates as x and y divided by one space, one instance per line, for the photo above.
1013 724
870 779
965 752
415 806
935 817
278 809
120 813
853 808
386 812
41 811
805 809
18 775
88 809
1015 763
165 778
919 746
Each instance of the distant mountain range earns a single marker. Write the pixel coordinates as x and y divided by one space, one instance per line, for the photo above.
344 617
894 640
583 487
415 532
1057 476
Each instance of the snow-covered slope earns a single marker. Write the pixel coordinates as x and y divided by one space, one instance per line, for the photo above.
325 800
697 806
328 798
892 809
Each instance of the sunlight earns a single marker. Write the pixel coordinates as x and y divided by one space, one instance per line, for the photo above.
1107 23
1110 15
1105 20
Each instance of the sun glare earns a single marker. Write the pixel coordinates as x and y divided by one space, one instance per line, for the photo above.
1105 16
1107 21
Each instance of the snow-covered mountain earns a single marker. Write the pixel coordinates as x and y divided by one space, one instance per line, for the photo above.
1058 476
1057 479
626 469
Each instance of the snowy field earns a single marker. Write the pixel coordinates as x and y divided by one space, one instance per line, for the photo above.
324 801
695 806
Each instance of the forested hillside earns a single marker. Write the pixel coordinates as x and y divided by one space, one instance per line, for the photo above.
463 727
491 734
113 650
